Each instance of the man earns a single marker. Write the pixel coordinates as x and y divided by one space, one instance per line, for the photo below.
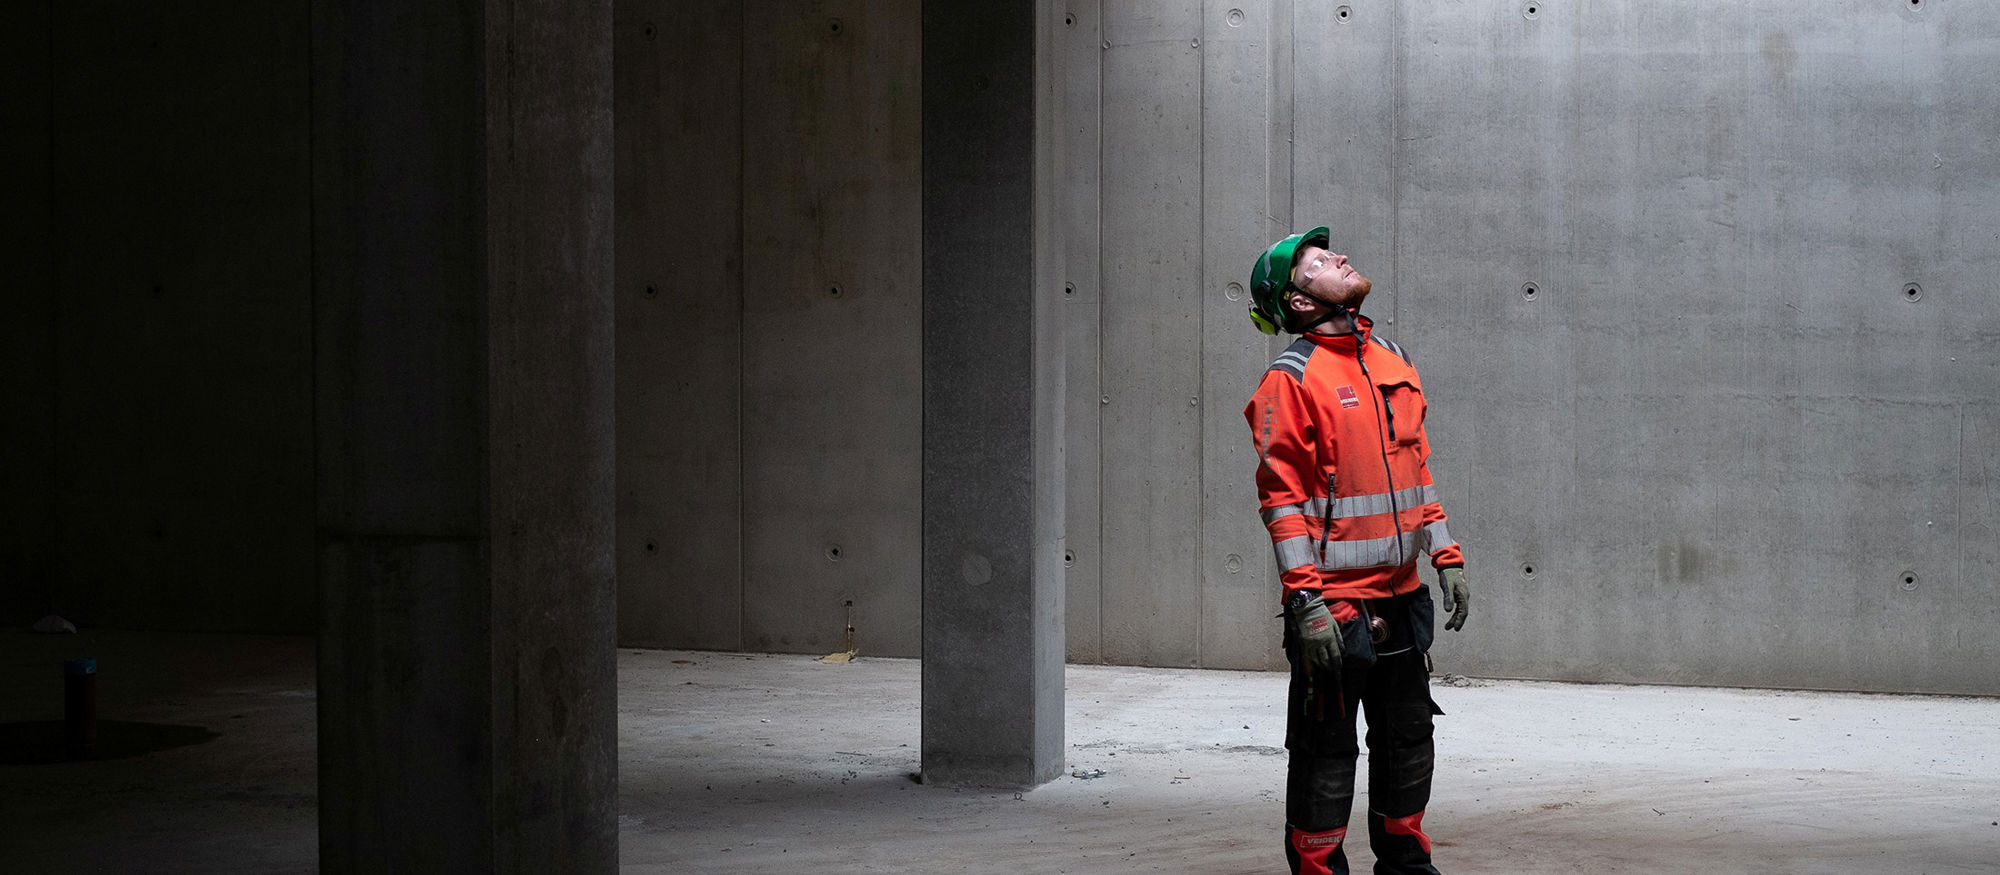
1340 415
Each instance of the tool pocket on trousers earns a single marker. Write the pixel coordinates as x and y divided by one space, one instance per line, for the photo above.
1404 410
1423 618
1357 647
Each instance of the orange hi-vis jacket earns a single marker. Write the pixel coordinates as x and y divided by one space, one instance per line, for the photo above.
1333 416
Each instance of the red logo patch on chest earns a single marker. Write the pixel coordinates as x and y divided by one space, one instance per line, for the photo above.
1347 397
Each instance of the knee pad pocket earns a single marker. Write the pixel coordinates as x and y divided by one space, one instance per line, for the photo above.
1410 720
1401 724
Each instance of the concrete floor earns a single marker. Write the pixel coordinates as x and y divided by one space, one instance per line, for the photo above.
750 763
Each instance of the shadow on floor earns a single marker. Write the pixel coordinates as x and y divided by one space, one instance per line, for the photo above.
40 742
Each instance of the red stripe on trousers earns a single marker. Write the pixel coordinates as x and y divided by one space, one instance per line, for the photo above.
1409 826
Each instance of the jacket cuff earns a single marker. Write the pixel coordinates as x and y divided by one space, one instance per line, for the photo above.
1343 610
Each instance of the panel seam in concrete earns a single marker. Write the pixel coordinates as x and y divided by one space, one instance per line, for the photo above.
1202 436
1098 357
742 337
319 545
1291 127
1396 89
52 495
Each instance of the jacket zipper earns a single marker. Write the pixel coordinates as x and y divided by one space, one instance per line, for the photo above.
1389 415
1326 519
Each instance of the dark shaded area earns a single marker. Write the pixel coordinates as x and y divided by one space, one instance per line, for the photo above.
40 742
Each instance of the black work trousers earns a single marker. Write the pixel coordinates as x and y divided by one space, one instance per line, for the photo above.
1390 682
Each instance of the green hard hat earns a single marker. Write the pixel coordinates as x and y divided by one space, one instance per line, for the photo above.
1271 276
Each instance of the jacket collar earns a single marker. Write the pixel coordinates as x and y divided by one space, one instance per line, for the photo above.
1345 342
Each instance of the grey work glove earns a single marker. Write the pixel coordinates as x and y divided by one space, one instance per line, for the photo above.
1452 581
1319 635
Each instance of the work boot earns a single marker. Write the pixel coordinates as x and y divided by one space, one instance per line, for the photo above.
1401 848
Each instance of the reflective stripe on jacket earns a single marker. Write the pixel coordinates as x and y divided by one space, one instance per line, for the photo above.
1317 420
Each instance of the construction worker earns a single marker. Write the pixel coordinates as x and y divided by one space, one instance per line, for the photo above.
1338 421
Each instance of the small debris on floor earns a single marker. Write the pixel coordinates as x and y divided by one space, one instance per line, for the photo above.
1458 680
1093 773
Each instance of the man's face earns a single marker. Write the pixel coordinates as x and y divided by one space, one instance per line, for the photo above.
1328 277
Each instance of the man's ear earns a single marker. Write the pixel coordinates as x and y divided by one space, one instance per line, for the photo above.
1298 302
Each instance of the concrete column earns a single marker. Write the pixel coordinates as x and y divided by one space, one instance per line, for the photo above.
462 270
993 396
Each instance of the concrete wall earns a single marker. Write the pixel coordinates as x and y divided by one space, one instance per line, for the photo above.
1718 443
768 352
1179 126
769 326
160 455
